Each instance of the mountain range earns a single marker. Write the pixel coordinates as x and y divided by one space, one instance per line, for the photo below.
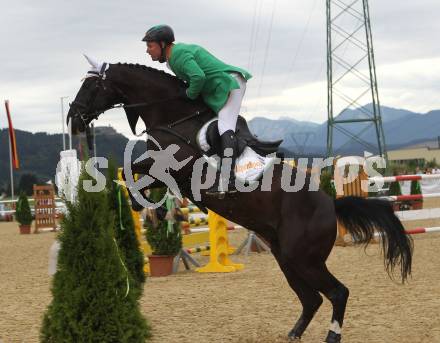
401 128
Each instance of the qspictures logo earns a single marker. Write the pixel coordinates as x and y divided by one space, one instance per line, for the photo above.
164 161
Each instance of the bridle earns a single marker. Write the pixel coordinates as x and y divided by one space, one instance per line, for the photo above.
86 114
86 109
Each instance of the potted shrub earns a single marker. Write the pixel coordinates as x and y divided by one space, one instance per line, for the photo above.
165 241
165 244
395 189
23 214
416 189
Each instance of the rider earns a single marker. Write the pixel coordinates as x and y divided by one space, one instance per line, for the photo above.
221 86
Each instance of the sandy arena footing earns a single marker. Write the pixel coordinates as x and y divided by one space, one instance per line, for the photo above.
253 305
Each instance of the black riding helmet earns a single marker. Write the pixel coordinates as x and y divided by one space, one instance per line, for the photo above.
159 34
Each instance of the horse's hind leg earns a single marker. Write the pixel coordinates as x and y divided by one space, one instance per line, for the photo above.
310 299
319 277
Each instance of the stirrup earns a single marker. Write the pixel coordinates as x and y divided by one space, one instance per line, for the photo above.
221 194
216 193
214 190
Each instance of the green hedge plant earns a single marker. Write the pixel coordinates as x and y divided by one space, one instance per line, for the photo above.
23 213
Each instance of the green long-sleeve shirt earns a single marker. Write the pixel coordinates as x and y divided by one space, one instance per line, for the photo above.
206 75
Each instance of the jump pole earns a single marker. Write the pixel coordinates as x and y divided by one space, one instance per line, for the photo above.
405 178
419 230
408 197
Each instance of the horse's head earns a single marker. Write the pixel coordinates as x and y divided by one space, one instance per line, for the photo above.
95 96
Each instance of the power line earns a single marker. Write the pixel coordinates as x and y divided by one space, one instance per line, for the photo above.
304 32
251 46
274 4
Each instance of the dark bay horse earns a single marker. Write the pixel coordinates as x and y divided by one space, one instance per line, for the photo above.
300 226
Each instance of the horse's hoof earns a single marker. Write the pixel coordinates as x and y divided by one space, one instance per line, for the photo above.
333 337
135 206
293 336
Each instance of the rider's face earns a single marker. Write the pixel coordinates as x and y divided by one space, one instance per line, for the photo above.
153 49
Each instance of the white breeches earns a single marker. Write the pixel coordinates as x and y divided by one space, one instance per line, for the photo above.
227 117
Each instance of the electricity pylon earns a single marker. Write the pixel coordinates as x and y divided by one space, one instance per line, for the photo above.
351 76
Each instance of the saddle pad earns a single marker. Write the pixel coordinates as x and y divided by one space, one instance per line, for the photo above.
249 166
202 140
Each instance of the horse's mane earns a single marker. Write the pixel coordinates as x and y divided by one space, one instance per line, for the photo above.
149 70
143 71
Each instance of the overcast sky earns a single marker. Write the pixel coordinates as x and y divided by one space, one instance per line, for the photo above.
43 42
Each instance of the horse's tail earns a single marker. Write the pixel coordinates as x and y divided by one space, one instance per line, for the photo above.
362 217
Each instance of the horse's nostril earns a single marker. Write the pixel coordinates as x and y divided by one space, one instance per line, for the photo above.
77 125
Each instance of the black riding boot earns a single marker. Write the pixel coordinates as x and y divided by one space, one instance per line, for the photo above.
226 185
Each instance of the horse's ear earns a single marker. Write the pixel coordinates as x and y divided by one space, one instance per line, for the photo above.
132 117
95 65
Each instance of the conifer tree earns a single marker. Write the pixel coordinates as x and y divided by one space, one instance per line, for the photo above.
415 188
91 299
395 188
23 213
124 228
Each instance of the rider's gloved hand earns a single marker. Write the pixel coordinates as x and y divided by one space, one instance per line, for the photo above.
182 93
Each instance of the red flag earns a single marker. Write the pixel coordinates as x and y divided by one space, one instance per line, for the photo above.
15 161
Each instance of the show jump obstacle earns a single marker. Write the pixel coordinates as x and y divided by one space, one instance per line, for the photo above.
216 235
354 188
44 205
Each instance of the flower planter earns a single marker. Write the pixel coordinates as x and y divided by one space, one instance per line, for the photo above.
25 229
161 265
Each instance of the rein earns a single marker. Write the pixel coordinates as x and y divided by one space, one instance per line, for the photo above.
169 128
166 128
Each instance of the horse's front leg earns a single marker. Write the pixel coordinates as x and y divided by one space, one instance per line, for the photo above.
137 197
135 205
